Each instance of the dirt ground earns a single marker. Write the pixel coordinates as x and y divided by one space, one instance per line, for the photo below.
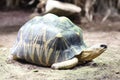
105 67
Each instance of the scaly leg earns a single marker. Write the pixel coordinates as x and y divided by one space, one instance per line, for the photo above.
65 64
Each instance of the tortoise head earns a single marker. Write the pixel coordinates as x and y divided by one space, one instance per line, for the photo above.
92 52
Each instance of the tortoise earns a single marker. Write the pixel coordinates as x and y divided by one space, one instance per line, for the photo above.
53 41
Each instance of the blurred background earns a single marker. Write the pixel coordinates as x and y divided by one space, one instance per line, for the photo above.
90 15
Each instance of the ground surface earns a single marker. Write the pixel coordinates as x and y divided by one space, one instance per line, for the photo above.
105 67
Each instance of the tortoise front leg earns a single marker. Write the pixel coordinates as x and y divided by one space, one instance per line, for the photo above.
12 57
65 64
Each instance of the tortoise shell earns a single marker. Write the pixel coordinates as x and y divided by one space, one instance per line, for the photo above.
48 39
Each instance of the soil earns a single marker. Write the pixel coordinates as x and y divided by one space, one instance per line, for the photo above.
105 67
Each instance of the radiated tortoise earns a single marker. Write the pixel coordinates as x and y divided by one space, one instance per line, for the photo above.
53 41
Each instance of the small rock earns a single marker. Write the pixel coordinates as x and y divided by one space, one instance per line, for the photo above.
117 73
35 70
